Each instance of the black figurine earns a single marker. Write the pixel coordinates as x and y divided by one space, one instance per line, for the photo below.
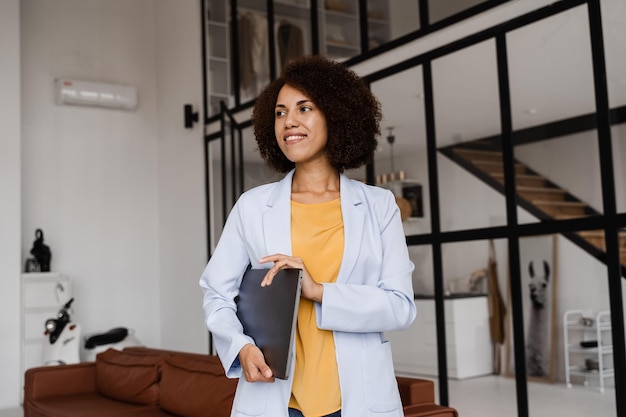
41 252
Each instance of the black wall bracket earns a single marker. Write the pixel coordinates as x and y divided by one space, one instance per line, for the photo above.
190 116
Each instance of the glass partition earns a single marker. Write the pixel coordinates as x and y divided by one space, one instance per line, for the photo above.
404 18
467 124
256 171
401 162
216 217
614 31
551 79
439 10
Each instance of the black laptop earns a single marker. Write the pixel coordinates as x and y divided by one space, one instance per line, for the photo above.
268 314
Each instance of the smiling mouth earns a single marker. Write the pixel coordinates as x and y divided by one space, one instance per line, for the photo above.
292 138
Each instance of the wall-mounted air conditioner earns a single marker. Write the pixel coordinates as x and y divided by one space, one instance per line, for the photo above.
95 94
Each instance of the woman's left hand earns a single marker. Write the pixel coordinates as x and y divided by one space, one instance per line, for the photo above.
310 289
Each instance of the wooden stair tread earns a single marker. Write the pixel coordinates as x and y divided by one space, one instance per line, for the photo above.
559 203
540 189
483 152
520 176
569 216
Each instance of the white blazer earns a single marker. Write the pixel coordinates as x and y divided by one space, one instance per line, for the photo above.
373 294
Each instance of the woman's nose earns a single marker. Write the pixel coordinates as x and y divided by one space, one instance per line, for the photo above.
290 122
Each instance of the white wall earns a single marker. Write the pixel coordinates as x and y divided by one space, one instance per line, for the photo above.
119 195
181 195
90 176
10 163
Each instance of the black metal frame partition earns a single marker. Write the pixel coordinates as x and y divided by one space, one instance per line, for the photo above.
610 220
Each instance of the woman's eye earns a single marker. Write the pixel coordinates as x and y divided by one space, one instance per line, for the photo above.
305 108
280 113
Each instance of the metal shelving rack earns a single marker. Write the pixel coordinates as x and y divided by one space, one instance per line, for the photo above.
590 330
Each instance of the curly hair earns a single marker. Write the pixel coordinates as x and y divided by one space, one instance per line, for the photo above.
352 112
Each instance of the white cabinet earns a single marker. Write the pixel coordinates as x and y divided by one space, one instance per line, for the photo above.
468 342
43 294
587 347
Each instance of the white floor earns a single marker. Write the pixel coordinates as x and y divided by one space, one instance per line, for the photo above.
494 396
11 412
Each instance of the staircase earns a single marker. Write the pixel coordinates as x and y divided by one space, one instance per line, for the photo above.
535 193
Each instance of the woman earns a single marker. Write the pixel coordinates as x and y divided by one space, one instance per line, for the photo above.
315 121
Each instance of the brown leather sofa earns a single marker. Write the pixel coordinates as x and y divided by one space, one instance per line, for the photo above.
146 382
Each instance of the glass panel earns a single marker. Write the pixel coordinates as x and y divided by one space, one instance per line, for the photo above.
253 50
215 193
438 10
614 28
218 55
339 29
472 270
467 124
401 161
415 349
561 284
256 171
292 31
614 22
390 19
551 78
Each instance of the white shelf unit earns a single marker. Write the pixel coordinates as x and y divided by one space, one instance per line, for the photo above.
43 294
577 357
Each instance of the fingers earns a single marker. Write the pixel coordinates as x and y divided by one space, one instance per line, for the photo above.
280 262
311 289
253 363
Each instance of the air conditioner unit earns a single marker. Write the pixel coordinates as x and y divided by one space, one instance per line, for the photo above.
95 94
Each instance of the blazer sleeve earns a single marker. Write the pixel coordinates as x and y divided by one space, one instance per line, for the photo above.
374 300
220 285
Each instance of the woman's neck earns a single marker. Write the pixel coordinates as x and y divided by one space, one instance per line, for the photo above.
311 185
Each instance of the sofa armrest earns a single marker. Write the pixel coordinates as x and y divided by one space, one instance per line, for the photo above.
53 381
416 390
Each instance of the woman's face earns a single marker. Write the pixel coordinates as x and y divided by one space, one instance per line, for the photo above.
300 127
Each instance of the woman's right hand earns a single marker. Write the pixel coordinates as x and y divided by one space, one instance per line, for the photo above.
253 363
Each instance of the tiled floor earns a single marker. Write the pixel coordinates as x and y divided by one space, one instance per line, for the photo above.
494 396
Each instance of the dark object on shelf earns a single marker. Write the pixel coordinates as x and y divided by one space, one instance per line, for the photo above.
586 321
592 364
589 343
41 252
413 193
32 265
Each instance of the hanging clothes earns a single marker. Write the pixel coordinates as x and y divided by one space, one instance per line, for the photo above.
253 55
290 42
497 308
246 33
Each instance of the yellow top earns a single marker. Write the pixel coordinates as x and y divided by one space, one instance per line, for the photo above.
317 238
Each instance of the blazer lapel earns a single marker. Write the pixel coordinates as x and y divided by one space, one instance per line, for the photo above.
353 219
277 219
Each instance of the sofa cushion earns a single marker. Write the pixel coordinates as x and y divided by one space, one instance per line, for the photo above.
429 410
194 387
90 404
128 377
